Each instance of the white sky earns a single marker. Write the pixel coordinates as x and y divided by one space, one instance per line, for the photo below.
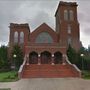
35 12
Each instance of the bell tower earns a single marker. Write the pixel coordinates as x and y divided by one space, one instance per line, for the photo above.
67 26
19 34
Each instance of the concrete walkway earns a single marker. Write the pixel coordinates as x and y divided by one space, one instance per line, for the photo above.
48 84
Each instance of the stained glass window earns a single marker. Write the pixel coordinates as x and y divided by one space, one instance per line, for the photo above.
44 37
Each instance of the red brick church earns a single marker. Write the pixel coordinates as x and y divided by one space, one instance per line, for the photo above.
45 48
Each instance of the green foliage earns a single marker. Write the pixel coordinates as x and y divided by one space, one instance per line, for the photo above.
3 53
4 64
8 76
5 89
72 55
83 62
86 74
86 61
19 56
85 58
83 51
89 48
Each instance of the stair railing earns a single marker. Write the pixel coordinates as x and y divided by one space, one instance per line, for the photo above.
67 60
21 68
74 66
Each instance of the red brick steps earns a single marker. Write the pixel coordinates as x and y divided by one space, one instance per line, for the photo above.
48 71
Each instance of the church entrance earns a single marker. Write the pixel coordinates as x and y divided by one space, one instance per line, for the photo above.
58 58
33 58
45 57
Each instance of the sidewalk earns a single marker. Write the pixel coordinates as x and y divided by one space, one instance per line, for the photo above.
48 84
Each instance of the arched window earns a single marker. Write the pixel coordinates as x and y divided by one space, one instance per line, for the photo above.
16 37
44 37
21 37
65 15
69 29
71 15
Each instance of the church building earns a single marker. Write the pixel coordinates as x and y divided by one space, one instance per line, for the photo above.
46 48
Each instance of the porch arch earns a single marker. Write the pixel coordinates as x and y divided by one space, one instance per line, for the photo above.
58 57
46 57
33 57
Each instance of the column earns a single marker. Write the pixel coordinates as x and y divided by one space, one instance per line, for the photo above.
52 63
39 60
27 58
64 59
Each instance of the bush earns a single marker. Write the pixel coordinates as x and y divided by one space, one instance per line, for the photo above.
86 74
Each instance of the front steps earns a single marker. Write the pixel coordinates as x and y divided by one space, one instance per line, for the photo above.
49 71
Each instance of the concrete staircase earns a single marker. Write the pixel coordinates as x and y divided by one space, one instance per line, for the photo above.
49 71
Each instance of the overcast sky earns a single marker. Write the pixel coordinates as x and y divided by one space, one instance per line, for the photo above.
35 12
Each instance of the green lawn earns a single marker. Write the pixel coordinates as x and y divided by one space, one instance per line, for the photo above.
5 89
8 76
86 74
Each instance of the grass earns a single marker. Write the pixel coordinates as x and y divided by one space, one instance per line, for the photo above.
8 76
86 74
5 89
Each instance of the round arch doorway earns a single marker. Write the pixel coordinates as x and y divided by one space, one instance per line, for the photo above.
33 58
58 58
45 57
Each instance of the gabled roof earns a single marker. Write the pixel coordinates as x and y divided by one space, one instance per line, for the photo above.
43 27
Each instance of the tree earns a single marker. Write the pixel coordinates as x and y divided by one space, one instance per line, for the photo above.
83 50
3 53
17 56
89 49
76 58
72 55
4 63
85 58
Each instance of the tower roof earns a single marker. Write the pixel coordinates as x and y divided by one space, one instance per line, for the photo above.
61 3
15 25
19 25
